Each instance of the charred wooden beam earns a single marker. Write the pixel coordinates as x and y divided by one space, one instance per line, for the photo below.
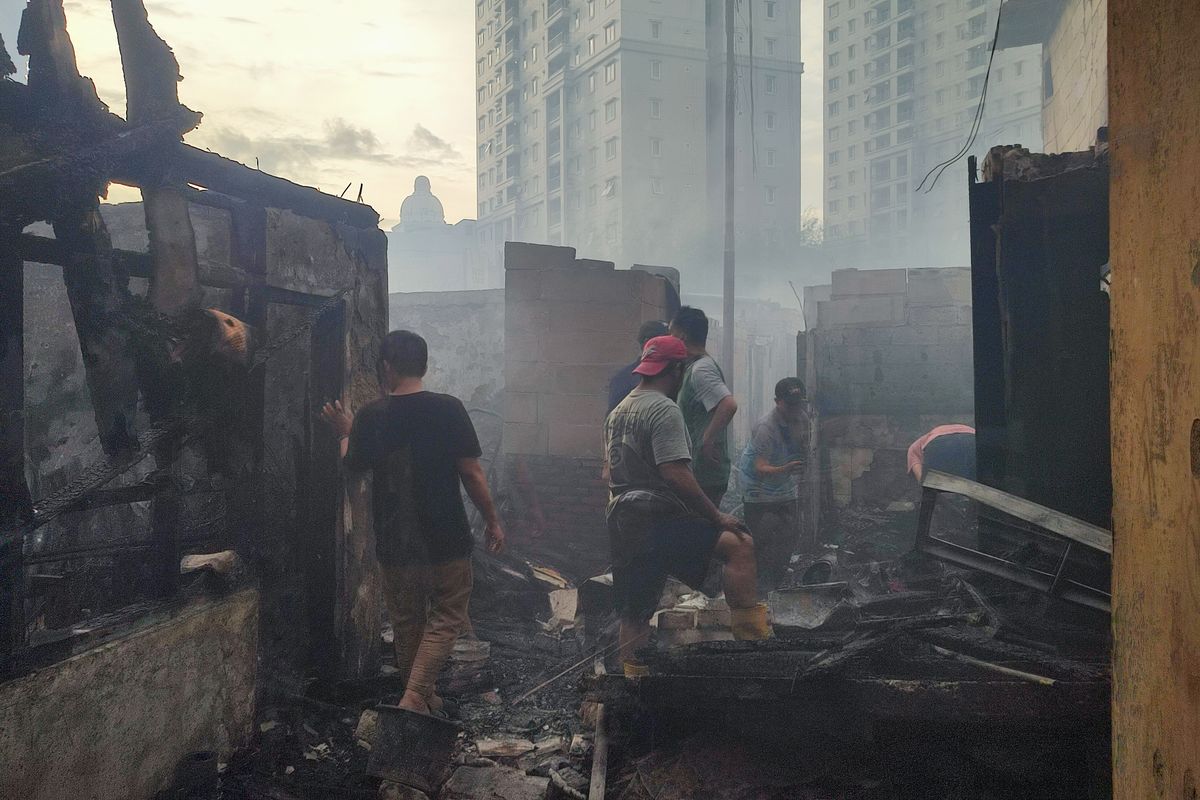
44 250
16 506
100 302
224 175
151 70
152 95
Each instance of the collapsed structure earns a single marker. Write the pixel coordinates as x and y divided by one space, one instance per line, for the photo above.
204 352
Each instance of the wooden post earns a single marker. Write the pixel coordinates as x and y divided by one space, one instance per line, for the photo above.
15 505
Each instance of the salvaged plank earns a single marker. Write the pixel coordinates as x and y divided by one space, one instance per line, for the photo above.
1057 522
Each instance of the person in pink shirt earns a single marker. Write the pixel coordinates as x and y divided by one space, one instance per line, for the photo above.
946 448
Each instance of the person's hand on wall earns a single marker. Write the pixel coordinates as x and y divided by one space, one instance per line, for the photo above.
337 418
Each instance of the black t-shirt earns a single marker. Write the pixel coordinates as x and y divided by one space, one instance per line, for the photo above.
412 443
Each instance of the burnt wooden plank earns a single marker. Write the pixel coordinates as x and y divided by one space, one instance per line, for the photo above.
229 177
151 70
100 304
15 504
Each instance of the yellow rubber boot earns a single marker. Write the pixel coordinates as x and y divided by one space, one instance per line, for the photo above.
750 624
633 669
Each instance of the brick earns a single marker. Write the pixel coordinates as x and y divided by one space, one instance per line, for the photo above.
590 285
675 619
524 438
577 409
527 316
606 350
527 375
566 439
713 618
848 283
520 407
933 315
522 256
622 318
524 346
522 285
864 310
586 379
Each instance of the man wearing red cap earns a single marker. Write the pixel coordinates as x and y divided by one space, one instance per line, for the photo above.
660 522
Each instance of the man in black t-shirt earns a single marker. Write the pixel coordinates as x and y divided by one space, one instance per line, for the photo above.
421 447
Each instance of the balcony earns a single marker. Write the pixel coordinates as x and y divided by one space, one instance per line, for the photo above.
555 45
555 9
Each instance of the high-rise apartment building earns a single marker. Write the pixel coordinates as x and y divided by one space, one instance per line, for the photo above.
903 81
601 126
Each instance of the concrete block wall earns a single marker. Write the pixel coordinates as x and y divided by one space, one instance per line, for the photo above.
569 325
1078 59
893 358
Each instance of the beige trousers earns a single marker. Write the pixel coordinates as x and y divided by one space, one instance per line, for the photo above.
428 605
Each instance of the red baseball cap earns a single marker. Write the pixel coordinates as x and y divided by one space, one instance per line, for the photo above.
659 353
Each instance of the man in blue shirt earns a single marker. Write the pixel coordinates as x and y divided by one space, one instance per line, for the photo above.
771 469
624 381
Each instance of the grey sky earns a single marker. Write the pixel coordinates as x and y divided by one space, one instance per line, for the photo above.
342 91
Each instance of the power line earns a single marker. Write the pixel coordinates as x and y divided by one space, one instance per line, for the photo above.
976 124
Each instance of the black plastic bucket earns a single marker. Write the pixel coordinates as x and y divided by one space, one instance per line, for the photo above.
412 748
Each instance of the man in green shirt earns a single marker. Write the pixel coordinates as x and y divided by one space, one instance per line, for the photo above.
707 405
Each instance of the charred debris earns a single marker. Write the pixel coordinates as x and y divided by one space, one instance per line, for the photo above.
958 649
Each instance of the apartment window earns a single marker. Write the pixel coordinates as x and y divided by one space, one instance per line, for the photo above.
834 158
610 187
610 72
834 10
536 149
940 11
591 120
610 110
656 70
655 148
835 134
593 157
482 122
835 206
592 83
771 9
772 156
591 45
610 33
534 54
1020 68
852 202
852 152
770 47
835 108
850 51
575 22
656 186
835 84
593 193
834 182
834 34
610 149
851 25
939 41
591 9
655 29
851 76
770 120
655 108
535 87
833 59
772 84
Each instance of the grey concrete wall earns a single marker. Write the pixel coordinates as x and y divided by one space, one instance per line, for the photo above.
892 359
112 722
465 331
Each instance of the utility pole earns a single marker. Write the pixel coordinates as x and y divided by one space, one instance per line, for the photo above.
727 316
